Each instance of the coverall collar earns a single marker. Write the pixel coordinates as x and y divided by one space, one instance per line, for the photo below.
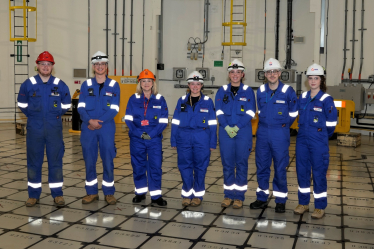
188 97
318 95
40 81
94 81
280 86
229 87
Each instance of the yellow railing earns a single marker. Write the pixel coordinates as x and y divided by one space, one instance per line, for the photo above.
231 23
25 10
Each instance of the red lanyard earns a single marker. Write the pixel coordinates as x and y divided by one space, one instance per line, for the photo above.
145 106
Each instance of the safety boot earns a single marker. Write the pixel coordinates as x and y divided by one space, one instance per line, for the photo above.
300 209
258 204
237 204
110 199
226 202
31 202
59 201
138 198
280 208
90 198
186 202
195 202
160 202
318 213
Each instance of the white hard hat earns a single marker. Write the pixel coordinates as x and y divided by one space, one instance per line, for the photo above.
315 69
236 64
195 76
99 57
272 64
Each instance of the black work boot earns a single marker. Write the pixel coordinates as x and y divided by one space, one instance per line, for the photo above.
138 198
159 202
280 208
258 205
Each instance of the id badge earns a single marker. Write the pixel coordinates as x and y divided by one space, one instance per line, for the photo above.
145 122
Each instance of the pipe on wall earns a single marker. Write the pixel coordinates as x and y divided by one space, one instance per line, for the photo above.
143 36
115 37
353 39
89 39
345 37
107 24
277 30
289 35
123 38
362 39
131 31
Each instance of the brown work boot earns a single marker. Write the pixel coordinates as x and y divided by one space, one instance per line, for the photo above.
237 204
318 213
186 202
195 202
226 202
59 201
300 209
31 202
90 198
110 199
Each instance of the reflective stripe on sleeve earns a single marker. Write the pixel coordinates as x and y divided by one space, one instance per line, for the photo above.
22 105
293 114
212 122
250 113
329 124
219 112
115 107
175 121
82 104
66 106
129 117
163 121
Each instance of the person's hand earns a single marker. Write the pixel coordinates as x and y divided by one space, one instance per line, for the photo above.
174 148
145 136
230 131
212 149
235 128
91 127
95 123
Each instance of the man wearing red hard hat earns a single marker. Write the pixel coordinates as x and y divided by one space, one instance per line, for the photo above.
44 98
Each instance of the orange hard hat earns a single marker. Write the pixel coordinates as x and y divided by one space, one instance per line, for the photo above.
146 74
45 56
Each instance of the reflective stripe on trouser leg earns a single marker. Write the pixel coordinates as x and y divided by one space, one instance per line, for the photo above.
319 167
201 157
90 153
263 163
154 170
139 164
35 155
108 152
303 167
227 150
185 163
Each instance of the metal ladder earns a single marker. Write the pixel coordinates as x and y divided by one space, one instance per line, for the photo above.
234 31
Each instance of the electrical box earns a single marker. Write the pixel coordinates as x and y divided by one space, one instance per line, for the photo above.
288 76
354 92
260 75
369 96
179 73
204 72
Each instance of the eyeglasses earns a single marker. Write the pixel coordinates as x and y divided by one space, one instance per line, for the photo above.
45 64
270 72
100 64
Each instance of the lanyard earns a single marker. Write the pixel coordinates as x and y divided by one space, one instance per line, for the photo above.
146 105
310 100
271 96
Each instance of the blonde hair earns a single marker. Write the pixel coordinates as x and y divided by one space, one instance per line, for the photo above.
154 90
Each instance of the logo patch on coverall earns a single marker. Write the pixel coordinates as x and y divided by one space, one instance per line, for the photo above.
204 110
315 120
317 109
280 102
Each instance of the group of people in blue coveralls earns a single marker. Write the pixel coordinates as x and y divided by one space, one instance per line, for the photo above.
44 98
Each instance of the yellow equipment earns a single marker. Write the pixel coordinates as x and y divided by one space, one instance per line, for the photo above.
25 9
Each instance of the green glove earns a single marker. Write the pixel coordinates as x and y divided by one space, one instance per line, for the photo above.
235 128
230 131
146 136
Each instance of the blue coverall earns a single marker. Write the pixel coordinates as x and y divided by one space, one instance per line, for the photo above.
155 111
44 104
277 111
235 110
102 105
317 121
194 133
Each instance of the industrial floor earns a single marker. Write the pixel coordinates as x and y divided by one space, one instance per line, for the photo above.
349 222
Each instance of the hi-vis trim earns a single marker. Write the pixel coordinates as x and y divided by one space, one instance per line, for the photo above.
89 82
184 193
82 104
280 194
55 185
65 106
265 191
206 98
163 120
304 94
155 192
340 104
56 81
293 114
199 194
137 96
129 117
91 183
262 88
34 185
304 190
141 190
250 113
329 124
212 122
108 184
175 121
33 80
219 112
284 88
245 87
321 195
22 105
183 97
112 83
236 187
324 96
224 87
158 96
115 107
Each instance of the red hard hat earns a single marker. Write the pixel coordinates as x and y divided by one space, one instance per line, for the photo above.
45 56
